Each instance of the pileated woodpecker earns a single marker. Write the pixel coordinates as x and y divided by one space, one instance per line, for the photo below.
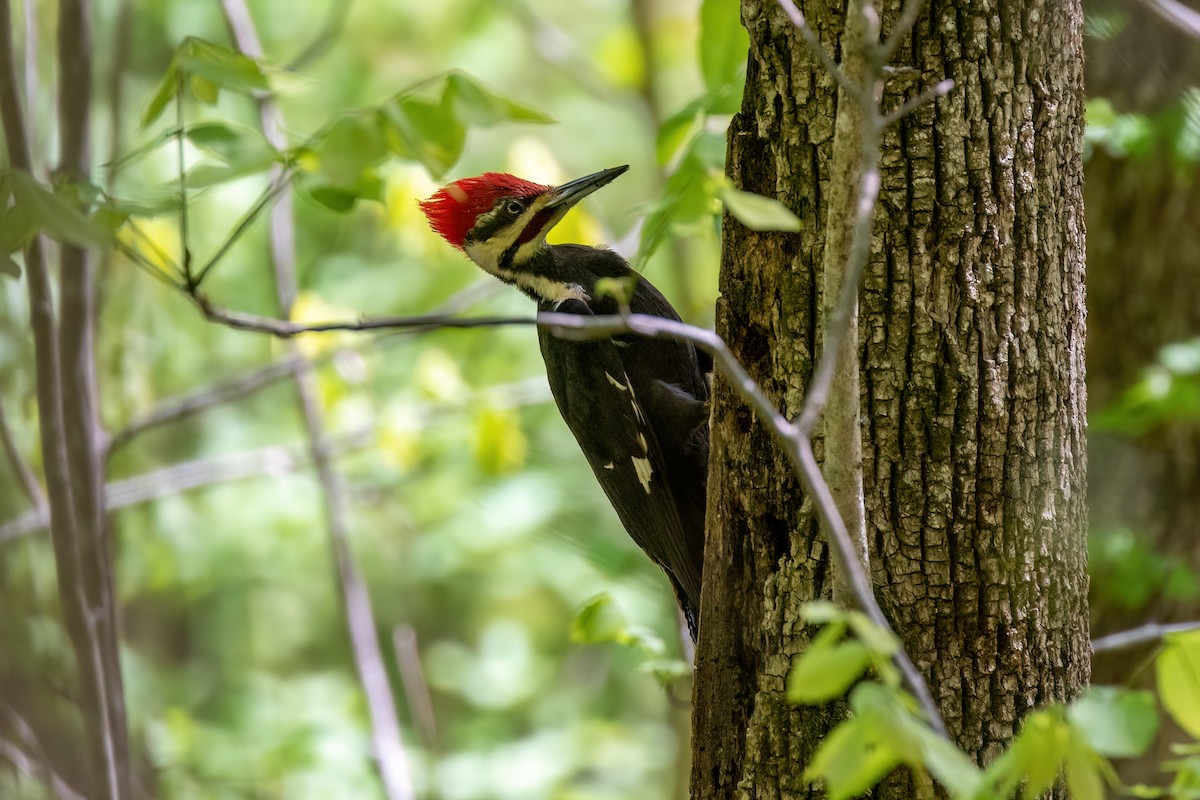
637 407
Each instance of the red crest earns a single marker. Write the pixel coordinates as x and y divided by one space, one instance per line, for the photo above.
453 209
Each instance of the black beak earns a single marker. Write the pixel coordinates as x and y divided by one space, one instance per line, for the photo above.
572 192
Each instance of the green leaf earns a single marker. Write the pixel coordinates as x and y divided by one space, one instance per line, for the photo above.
1035 756
475 104
724 44
55 217
16 228
666 670
687 198
226 68
1083 771
852 759
429 132
208 67
144 149
822 612
9 267
676 131
879 641
163 95
333 198
892 714
756 212
230 143
823 673
1116 722
620 289
951 767
348 149
599 620
1178 670
343 198
204 90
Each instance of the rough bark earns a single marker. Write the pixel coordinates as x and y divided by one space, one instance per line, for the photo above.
972 326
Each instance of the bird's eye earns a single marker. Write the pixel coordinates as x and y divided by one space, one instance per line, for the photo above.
514 207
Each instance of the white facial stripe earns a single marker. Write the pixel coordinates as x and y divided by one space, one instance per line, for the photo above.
487 254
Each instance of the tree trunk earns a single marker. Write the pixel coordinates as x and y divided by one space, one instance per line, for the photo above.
972 331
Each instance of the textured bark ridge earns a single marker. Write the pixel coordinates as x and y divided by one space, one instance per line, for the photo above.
972 331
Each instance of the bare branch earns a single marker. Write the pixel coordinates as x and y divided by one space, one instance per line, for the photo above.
904 24
335 20
1146 634
37 769
196 474
266 461
930 94
285 329
836 371
281 180
103 691
19 465
814 43
68 452
394 770
416 689
184 406
1176 14
194 402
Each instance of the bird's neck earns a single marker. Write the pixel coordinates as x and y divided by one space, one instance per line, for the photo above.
543 279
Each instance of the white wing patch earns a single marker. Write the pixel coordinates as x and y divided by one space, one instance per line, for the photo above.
610 465
644 471
616 383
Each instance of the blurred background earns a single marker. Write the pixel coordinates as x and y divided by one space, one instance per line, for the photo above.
476 523
533 651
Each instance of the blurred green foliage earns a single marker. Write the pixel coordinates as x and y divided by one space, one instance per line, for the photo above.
543 635
1168 390
1174 130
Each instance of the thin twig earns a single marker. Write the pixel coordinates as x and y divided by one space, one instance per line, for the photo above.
814 43
272 460
198 400
37 770
335 20
196 474
1150 632
19 465
185 254
32 94
930 94
280 181
286 329
904 24
102 686
416 688
184 406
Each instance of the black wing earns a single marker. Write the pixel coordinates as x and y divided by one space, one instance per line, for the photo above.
638 408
